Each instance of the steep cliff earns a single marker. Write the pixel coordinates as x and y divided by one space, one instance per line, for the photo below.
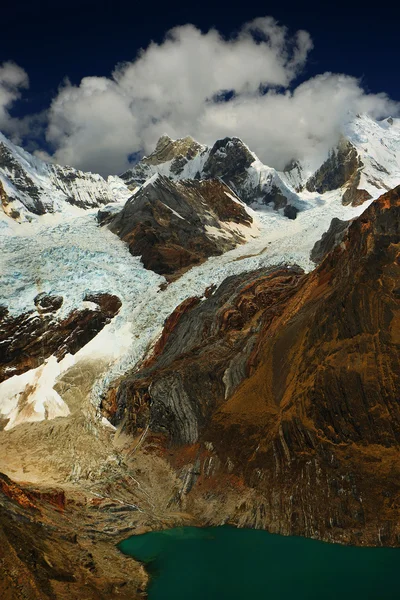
288 385
341 169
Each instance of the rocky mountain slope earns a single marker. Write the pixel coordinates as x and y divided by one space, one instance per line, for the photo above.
169 355
29 186
289 383
228 159
175 225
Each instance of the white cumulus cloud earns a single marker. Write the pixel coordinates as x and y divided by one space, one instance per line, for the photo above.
170 88
13 79
175 87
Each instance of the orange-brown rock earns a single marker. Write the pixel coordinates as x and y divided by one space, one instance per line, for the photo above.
292 383
205 349
28 339
50 548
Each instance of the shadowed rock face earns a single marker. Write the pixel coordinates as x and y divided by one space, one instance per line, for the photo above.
202 355
174 225
342 168
329 240
299 402
228 159
28 339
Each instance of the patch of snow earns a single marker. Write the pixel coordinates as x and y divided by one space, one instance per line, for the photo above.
378 145
234 198
215 232
107 423
31 396
90 305
173 211
151 180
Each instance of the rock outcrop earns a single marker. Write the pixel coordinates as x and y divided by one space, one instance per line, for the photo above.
51 548
202 356
27 340
229 160
329 240
173 225
174 153
341 169
288 384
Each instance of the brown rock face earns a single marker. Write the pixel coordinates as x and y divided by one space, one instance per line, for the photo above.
204 353
293 392
52 548
28 339
175 225
342 168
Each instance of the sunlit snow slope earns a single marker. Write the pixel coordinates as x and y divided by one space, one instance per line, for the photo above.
30 187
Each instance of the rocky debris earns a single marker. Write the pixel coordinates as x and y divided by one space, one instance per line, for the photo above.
54 548
329 240
175 225
27 340
286 386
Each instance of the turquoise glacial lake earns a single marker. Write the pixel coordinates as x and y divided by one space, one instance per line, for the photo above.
224 563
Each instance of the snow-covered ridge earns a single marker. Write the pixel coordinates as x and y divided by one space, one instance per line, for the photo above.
376 145
30 186
229 159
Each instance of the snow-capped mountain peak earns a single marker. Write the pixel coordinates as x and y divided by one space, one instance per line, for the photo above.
30 186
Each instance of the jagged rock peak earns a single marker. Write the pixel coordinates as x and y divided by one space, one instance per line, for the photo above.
227 157
168 149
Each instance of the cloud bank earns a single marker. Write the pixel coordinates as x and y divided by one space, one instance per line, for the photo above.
13 80
177 88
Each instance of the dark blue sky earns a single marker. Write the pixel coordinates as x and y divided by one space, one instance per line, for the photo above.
51 40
